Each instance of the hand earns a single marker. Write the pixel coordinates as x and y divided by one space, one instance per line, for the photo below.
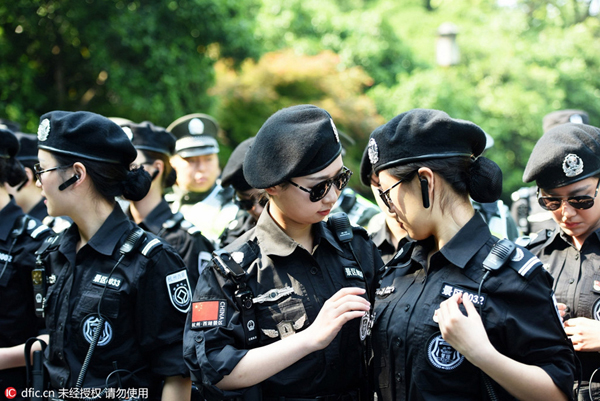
465 334
584 333
563 309
343 306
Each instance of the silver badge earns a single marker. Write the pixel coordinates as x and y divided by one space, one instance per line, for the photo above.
89 327
572 165
373 151
273 295
441 355
366 324
196 126
335 131
179 290
43 130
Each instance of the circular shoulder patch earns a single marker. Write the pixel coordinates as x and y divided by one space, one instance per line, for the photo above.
596 310
89 327
441 355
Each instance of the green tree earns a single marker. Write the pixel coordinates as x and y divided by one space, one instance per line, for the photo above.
140 60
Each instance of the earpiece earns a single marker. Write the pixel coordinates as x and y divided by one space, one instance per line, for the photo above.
425 192
154 175
68 183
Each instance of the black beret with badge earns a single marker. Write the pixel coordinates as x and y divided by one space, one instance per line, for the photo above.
147 136
564 155
196 135
423 134
86 135
9 144
293 142
366 169
28 149
233 172
558 117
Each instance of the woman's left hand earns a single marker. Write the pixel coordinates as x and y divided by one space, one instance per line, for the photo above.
465 334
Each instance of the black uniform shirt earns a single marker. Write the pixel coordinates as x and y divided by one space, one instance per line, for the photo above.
577 280
144 305
413 362
193 247
39 211
17 312
298 283
243 222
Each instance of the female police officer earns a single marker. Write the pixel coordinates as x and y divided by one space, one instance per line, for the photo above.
428 166
20 236
119 295
280 306
565 164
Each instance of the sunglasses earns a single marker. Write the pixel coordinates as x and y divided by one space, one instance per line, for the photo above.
248 204
320 190
385 195
37 169
578 202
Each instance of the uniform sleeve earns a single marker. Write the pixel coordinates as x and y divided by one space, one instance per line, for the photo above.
163 299
534 333
214 336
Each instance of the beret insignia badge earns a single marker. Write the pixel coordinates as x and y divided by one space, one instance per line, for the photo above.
335 131
128 132
572 165
196 126
373 151
43 130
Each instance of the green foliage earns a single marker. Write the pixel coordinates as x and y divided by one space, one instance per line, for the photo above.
148 60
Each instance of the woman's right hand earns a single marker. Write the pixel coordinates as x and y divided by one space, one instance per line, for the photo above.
343 306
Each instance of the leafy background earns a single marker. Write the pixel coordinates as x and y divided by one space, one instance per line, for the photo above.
364 61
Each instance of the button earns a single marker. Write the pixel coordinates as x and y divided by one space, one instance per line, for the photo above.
62 381
60 326
406 308
571 280
399 377
314 270
60 356
576 256
398 342
199 339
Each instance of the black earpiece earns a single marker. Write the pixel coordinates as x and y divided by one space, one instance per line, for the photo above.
425 192
154 175
68 183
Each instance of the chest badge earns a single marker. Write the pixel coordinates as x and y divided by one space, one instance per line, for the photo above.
273 295
384 291
596 310
90 326
441 355
366 324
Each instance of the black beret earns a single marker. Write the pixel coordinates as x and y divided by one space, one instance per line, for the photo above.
233 172
87 135
9 144
422 134
196 135
28 147
566 154
147 136
293 142
558 117
11 125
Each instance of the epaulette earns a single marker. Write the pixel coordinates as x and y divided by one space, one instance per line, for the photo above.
190 228
150 246
233 263
361 230
524 262
534 239
173 222
35 228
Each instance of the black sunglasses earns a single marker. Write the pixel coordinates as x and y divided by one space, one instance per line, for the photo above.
385 195
37 170
578 202
248 204
320 190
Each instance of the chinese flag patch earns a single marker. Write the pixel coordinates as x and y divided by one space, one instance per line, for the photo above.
208 314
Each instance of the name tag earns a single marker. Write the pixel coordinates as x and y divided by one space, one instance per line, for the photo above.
101 280
448 290
353 272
